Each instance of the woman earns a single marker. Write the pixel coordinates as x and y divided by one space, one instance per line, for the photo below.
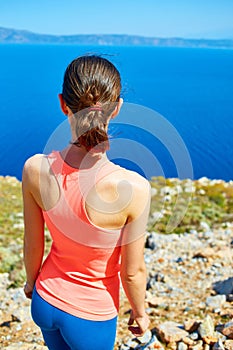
96 213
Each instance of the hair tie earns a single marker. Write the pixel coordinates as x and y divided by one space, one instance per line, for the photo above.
96 107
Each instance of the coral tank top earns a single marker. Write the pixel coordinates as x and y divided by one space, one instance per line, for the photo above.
81 273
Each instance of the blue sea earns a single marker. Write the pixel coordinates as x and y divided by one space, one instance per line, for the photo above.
176 121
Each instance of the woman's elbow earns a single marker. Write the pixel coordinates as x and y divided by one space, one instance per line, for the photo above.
132 274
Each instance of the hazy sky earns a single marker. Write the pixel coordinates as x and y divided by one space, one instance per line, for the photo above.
164 18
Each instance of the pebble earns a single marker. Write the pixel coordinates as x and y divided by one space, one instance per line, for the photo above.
145 338
224 287
206 347
218 346
228 344
194 335
197 346
182 346
228 330
229 297
206 327
191 325
170 332
215 302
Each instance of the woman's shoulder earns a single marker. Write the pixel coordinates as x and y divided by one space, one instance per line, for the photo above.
135 193
132 185
33 167
38 181
141 188
34 162
133 178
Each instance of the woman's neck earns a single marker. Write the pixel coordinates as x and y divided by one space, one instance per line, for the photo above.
78 157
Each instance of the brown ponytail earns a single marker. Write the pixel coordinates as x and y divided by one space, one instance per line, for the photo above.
91 89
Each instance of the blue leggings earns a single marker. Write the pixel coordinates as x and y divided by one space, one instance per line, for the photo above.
62 331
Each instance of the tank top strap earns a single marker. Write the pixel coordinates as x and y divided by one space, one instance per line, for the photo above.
60 167
85 177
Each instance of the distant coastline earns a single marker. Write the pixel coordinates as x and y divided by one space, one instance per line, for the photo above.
10 35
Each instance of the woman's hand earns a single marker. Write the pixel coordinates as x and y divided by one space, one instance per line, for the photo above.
28 289
142 324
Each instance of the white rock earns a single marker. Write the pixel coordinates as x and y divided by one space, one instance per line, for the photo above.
216 301
154 191
204 226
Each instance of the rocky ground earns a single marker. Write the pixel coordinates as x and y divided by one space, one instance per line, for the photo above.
190 278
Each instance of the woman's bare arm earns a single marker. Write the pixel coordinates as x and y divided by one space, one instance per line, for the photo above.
34 227
133 277
133 269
